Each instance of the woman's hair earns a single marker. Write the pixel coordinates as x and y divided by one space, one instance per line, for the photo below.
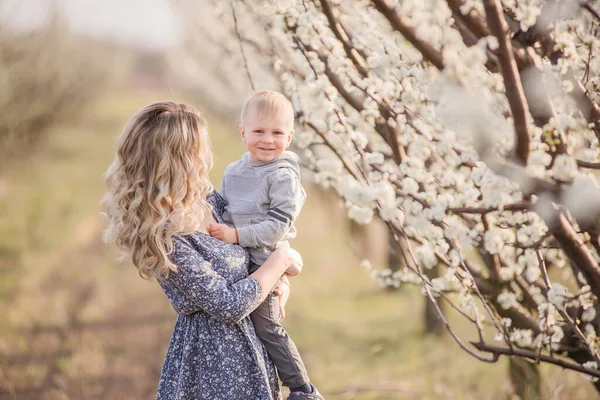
157 184
267 102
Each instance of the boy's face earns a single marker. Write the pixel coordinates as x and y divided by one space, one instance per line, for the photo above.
267 136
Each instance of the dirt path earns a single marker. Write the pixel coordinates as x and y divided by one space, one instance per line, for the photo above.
74 322
88 341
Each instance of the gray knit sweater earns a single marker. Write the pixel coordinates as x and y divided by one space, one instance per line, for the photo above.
263 201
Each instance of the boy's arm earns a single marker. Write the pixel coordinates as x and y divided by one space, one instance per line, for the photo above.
287 197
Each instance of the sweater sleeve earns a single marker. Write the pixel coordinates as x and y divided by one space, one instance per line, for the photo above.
195 286
286 200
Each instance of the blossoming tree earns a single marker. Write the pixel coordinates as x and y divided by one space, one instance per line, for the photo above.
471 127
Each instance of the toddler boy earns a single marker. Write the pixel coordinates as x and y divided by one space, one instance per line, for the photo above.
264 197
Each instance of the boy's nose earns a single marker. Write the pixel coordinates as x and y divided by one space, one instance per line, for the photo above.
268 139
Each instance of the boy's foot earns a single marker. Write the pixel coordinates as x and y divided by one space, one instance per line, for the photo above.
314 395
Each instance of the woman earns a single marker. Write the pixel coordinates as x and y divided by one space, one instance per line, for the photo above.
160 205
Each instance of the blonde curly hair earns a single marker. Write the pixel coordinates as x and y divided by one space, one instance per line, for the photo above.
157 184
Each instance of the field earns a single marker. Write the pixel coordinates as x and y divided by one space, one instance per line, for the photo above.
78 324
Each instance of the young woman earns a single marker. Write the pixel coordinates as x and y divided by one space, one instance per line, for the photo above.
160 205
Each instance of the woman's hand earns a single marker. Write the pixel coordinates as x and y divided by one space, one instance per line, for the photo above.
275 267
296 263
283 290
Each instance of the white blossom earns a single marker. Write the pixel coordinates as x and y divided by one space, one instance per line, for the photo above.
590 365
374 158
426 256
366 264
583 198
557 295
494 241
564 168
522 337
588 315
507 300
362 215
506 322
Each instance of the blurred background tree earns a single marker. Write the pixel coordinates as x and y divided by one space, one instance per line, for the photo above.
44 73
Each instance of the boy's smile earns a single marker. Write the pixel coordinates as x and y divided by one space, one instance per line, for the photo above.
267 136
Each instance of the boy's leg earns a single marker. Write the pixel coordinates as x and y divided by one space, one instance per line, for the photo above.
279 345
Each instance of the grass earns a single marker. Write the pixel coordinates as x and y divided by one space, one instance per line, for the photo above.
82 325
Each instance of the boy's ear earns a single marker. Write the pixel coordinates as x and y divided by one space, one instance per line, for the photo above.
290 136
243 133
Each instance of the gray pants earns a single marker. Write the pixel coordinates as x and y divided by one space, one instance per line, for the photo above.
279 345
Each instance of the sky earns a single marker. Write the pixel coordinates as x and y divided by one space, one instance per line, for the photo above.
148 23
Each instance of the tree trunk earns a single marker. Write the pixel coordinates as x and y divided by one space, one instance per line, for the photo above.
433 323
525 378
395 259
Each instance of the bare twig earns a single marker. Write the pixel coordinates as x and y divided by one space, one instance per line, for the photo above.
438 310
237 32
588 7
587 164
521 206
561 311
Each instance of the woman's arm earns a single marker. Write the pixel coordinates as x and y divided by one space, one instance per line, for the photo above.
277 263
195 286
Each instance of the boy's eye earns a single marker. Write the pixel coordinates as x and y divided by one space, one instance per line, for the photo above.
278 133
258 131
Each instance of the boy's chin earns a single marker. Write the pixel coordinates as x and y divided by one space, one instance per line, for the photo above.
266 157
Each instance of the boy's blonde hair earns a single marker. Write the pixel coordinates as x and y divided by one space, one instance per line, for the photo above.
267 102
157 184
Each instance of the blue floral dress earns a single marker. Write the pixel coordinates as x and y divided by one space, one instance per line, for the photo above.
214 352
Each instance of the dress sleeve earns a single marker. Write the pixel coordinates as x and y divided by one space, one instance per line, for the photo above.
218 202
195 286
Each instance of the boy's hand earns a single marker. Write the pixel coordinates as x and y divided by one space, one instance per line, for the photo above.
223 232
283 291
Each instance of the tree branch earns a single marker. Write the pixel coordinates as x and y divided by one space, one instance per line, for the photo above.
587 164
351 52
587 6
576 250
512 79
403 25
521 206
534 356
475 24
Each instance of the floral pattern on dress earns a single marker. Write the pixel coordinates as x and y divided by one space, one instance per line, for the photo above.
214 352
